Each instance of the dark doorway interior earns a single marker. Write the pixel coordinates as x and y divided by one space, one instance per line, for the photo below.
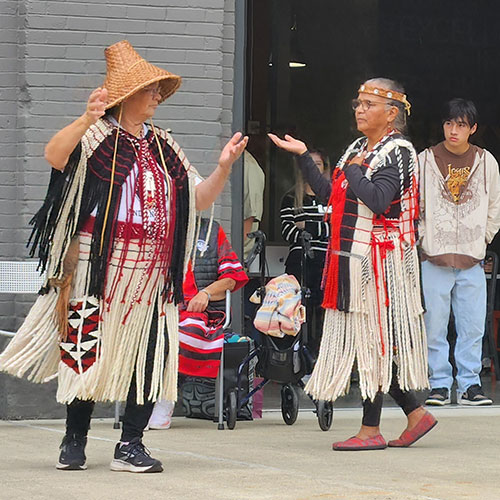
437 49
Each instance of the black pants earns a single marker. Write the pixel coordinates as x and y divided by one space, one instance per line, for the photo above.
372 410
136 417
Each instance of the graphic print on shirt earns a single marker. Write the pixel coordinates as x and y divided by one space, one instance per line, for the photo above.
456 181
448 212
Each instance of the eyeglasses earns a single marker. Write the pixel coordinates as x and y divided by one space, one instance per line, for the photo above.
366 105
152 90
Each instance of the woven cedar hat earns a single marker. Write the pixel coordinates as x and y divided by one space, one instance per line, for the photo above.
127 72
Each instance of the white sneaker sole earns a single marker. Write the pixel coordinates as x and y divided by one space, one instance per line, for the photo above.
466 402
60 466
123 466
158 427
436 402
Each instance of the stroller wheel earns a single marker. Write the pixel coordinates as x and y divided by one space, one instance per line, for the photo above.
325 414
231 409
289 404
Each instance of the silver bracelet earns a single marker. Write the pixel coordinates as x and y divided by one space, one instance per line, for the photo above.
208 294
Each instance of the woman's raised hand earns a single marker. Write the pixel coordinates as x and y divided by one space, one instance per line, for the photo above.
96 105
232 150
289 144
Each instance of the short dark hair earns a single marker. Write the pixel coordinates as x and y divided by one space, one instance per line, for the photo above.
459 108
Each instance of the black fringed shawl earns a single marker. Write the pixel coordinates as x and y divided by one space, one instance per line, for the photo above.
95 196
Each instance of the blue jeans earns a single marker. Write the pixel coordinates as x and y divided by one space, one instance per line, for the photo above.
465 291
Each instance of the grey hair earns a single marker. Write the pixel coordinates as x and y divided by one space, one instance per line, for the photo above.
386 83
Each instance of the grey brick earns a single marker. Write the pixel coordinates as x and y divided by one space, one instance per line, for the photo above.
146 12
38 7
213 72
213 100
35 65
8 36
203 85
7 178
83 23
214 15
66 37
186 98
165 57
205 29
8 21
45 21
8 50
205 57
164 27
127 26
66 8
9 79
84 52
46 51
9 65
202 128
186 14
9 222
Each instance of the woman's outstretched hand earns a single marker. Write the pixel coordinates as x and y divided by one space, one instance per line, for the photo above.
289 144
232 150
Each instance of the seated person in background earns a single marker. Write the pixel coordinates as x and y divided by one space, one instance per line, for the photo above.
214 269
301 210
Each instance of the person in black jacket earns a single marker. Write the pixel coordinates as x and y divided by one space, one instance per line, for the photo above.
372 295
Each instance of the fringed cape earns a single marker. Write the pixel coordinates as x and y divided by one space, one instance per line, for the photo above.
118 283
372 294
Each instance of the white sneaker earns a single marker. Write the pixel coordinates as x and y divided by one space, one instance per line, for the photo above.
161 418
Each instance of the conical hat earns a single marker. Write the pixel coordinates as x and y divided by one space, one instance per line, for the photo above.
127 72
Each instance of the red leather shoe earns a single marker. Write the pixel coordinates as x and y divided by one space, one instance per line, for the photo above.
356 444
407 438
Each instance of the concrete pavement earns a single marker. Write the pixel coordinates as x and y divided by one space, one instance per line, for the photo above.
264 459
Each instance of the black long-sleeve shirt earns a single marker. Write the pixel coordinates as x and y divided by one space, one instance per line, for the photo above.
376 193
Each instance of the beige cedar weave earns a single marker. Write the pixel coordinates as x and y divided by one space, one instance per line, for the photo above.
127 72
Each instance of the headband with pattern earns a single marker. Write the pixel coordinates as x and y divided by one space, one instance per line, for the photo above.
388 94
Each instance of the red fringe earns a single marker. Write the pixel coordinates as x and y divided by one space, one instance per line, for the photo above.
331 270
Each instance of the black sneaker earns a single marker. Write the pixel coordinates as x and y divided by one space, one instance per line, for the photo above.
134 457
72 456
474 396
438 397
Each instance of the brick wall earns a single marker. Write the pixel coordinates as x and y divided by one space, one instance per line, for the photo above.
51 57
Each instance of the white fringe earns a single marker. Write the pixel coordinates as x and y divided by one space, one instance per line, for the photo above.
34 351
122 348
358 335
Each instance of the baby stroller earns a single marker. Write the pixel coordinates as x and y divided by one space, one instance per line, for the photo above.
282 360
